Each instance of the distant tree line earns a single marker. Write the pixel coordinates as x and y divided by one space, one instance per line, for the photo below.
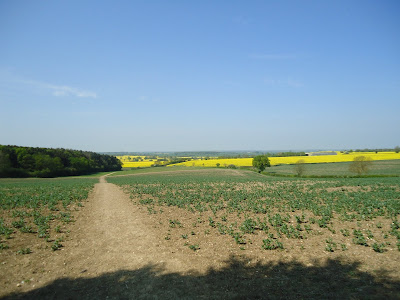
204 154
395 149
18 161
290 153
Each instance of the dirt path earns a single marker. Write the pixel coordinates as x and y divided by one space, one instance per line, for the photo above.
110 234
114 234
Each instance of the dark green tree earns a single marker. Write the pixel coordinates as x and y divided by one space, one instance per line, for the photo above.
5 163
260 162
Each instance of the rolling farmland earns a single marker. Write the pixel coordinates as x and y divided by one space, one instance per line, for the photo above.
247 162
176 229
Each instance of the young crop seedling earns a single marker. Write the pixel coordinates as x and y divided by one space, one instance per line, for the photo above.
238 238
26 229
4 230
222 228
66 217
248 226
380 248
323 222
194 247
359 238
151 211
307 227
345 232
395 225
19 224
271 244
24 251
331 230
331 246
175 223
3 246
211 222
56 245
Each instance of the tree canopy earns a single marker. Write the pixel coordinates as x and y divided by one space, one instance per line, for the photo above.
260 162
18 161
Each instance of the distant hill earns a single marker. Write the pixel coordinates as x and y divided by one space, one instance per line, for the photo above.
220 154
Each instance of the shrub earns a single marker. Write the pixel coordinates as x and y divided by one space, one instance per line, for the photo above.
299 167
360 165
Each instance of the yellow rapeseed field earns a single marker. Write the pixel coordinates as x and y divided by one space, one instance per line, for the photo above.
137 164
126 157
126 163
247 162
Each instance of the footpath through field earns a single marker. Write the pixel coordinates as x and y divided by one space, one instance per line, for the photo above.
110 234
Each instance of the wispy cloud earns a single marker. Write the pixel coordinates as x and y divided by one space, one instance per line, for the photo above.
289 82
10 79
272 56
61 90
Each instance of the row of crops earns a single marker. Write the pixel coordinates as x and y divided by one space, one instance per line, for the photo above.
360 212
39 208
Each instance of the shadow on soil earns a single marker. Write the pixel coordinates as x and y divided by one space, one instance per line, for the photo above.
238 280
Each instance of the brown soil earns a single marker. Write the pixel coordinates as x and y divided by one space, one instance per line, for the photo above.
116 249
110 234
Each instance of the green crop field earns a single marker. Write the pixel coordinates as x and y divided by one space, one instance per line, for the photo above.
32 209
288 237
131 171
275 213
384 167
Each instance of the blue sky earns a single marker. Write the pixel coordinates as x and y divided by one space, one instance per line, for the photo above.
200 75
